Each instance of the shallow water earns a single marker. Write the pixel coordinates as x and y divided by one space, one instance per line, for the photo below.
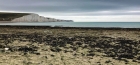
80 24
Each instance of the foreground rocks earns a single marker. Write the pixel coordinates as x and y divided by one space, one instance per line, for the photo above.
96 48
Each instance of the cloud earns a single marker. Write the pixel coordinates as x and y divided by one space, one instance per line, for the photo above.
70 8
105 18
66 5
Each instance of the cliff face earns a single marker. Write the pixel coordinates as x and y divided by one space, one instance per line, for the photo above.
27 17
37 18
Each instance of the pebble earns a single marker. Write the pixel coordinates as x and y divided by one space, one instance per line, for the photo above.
6 49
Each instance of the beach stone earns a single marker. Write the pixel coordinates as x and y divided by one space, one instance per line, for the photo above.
6 49
108 61
138 58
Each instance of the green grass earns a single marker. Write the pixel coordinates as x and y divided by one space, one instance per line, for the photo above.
11 16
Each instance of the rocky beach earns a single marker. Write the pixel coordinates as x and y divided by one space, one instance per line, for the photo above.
44 45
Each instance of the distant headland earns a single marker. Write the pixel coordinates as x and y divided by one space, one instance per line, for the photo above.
27 17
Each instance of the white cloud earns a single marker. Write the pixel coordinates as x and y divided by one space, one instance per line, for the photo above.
105 18
137 11
13 11
92 13
117 16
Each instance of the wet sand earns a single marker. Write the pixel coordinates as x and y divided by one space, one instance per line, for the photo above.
34 45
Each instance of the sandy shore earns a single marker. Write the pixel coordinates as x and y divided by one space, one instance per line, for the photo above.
22 45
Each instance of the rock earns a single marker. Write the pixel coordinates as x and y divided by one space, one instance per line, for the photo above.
125 60
52 55
6 49
37 53
134 60
108 61
138 58
90 54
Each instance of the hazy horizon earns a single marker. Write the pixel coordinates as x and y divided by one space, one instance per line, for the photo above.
78 10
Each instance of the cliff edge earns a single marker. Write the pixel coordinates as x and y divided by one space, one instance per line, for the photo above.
27 17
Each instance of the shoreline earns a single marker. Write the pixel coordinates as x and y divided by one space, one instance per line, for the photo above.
59 27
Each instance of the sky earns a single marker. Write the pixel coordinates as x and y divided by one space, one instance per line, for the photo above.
78 10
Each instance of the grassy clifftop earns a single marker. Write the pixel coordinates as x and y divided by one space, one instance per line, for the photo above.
11 16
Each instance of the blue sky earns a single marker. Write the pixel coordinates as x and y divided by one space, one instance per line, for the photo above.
78 10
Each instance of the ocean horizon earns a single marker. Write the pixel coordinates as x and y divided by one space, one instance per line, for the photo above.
79 24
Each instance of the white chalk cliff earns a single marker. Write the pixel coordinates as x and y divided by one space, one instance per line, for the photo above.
37 18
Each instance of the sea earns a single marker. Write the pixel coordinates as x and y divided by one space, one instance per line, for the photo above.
79 24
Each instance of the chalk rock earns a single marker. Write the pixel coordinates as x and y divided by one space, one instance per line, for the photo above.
6 49
37 18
